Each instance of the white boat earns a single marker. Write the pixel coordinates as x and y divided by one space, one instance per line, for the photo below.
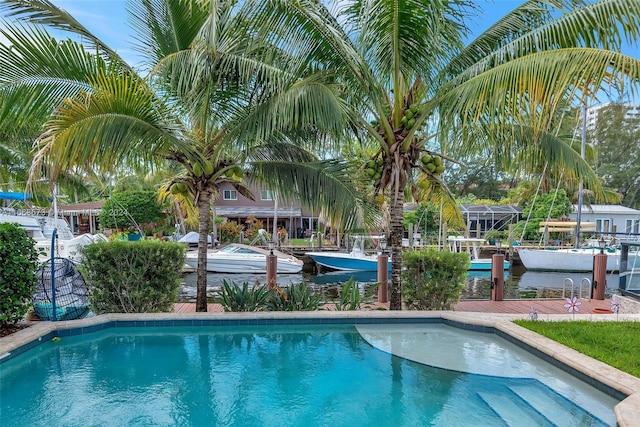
239 258
192 238
580 258
567 259
355 260
471 246
40 228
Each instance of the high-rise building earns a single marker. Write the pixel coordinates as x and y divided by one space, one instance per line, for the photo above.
632 112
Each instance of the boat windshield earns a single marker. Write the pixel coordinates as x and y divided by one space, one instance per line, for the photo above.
237 250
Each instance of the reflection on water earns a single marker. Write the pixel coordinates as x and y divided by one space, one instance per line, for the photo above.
519 283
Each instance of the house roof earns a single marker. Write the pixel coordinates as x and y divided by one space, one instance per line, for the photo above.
478 211
82 208
489 210
608 209
245 211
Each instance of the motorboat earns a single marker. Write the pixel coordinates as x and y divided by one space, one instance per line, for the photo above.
40 228
471 246
355 260
240 258
67 248
566 259
192 238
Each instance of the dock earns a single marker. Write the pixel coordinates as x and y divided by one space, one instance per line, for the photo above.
520 306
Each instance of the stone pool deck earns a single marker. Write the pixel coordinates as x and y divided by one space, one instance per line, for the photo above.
627 411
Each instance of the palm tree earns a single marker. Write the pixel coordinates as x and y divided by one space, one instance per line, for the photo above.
405 65
212 100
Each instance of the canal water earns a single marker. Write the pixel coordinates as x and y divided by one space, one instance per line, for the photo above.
519 283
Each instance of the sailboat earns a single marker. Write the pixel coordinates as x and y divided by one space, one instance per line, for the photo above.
579 258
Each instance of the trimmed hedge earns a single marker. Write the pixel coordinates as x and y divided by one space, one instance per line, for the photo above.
18 268
133 277
432 279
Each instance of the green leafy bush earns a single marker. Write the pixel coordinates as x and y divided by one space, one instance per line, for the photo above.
18 278
350 298
133 277
235 298
295 297
126 209
433 280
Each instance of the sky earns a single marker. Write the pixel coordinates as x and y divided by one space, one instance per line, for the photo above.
107 19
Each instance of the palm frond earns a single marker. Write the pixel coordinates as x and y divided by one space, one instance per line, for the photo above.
166 27
541 26
119 121
45 13
323 184
531 89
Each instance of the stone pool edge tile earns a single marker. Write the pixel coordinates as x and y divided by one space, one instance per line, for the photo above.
627 411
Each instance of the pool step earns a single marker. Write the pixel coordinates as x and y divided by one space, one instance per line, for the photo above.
513 410
558 409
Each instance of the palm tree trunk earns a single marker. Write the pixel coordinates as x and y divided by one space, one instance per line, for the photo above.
395 241
203 230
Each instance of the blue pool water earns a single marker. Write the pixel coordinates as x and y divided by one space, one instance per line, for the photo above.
286 376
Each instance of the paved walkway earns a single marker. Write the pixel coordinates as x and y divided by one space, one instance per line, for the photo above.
522 306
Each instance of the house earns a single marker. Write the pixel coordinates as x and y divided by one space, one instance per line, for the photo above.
482 218
614 220
82 217
297 220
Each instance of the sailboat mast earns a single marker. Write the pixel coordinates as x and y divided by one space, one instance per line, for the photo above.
582 154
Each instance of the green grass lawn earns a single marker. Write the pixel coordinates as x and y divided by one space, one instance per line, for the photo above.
615 343
305 242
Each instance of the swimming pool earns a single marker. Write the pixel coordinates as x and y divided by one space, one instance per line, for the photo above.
297 374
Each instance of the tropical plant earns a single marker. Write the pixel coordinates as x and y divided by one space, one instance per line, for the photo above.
235 298
351 298
616 132
127 277
129 209
424 220
433 279
494 234
252 227
18 267
217 106
413 86
295 297
229 232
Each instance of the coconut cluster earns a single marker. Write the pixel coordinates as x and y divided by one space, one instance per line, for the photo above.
432 163
408 120
205 170
373 169
179 188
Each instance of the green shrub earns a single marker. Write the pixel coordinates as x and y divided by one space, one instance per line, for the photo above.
295 297
433 280
350 298
235 298
126 209
18 278
133 277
